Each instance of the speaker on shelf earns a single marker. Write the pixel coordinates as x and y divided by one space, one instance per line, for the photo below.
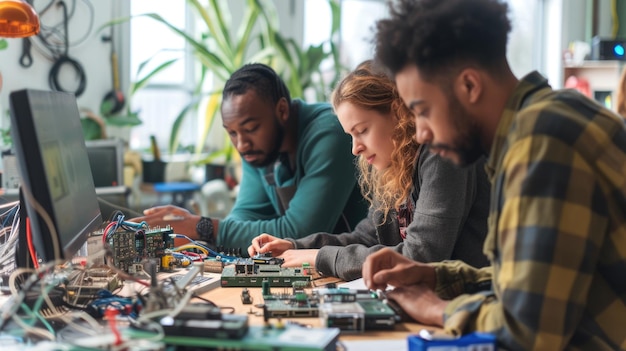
608 49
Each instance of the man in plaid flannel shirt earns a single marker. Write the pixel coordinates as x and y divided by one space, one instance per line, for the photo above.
557 163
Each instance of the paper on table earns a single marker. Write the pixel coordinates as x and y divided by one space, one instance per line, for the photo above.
356 284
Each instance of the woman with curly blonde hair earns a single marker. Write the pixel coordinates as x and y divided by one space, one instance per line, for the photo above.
424 207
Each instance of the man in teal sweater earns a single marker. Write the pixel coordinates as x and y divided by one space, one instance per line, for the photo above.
298 171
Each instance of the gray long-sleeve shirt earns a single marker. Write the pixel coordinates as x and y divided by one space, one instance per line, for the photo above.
451 205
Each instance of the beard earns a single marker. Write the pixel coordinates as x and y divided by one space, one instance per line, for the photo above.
273 154
467 146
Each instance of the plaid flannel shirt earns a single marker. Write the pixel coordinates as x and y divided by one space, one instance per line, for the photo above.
557 229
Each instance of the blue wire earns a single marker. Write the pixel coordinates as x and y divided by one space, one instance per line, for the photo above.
136 225
9 215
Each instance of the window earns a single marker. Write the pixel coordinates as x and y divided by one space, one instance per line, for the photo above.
358 18
169 92
525 49
357 27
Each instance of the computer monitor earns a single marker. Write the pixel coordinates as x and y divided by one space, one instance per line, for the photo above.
59 196
106 158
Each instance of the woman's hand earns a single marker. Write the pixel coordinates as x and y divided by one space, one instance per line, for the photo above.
295 258
267 243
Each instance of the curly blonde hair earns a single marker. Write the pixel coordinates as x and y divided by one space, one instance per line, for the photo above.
368 89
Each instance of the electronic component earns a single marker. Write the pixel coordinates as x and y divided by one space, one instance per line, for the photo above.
347 316
133 247
246 299
608 48
246 273
259 338
266 258
295 304
203 321
84 286
214 266
355 310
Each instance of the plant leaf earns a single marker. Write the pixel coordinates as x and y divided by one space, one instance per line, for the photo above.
91 129
178 122
213 105
131 119
210 18
245 30
293 82
144 81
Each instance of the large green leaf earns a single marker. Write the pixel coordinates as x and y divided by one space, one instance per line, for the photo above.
293 81
142 82
130 119
91 129
211 15
178 122
245 30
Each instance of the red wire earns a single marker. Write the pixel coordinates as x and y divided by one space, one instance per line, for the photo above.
29 242
110 313
106 231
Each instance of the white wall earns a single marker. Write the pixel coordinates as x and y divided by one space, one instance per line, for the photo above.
93 55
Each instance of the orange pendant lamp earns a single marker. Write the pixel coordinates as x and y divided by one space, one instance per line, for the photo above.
17 19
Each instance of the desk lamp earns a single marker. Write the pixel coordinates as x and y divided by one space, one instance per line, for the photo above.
17 19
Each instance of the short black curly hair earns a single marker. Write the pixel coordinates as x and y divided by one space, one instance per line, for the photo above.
260 78
440 36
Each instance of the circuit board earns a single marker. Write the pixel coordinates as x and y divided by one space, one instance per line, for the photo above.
290 338
84 285
358 316
245 273
132 247
291 308
347 309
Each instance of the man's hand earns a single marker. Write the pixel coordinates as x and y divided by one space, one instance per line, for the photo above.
387 267
267 243
181 220
420 302
295 258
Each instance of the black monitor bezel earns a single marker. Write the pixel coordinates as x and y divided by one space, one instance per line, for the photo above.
31 164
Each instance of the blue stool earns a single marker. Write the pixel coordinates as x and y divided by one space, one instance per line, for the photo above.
181 192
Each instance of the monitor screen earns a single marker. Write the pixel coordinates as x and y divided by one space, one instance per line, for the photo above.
106 158
57 186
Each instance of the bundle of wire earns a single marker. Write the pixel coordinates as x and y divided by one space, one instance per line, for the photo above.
8 236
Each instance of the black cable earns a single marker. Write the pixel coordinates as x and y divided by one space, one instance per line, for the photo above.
53 76
64 59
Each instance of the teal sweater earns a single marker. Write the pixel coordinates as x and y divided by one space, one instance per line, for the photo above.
325 176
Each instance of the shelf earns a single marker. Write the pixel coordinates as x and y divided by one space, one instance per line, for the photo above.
608 64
